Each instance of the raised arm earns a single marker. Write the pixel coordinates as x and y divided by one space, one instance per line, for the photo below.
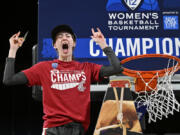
10 78
115 67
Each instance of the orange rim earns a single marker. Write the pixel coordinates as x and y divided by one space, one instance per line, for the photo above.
148 74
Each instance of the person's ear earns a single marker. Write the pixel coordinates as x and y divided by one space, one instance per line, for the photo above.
74 44
54 45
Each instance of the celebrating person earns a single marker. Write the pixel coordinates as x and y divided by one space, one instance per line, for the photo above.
65 82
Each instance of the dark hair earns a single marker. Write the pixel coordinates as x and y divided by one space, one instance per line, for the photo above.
62 28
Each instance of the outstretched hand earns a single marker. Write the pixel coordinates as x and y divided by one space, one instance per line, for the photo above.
15 42
98 37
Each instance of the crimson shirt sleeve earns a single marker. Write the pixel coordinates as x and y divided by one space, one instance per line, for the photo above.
95 69
33 75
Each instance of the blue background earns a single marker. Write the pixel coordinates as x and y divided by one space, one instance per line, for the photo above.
83 15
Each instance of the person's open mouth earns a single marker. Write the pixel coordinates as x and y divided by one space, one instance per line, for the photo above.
65 48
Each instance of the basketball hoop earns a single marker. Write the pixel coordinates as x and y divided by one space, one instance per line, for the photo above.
153 87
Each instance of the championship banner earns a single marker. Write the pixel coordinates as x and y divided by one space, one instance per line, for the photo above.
131 27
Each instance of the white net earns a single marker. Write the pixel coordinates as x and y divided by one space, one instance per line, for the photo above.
160 101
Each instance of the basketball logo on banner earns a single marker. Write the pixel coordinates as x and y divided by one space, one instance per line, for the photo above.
132 4
139 5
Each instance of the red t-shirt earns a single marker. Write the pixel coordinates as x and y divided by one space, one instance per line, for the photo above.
66 90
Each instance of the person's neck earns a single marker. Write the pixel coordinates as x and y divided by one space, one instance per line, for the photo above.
65 59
